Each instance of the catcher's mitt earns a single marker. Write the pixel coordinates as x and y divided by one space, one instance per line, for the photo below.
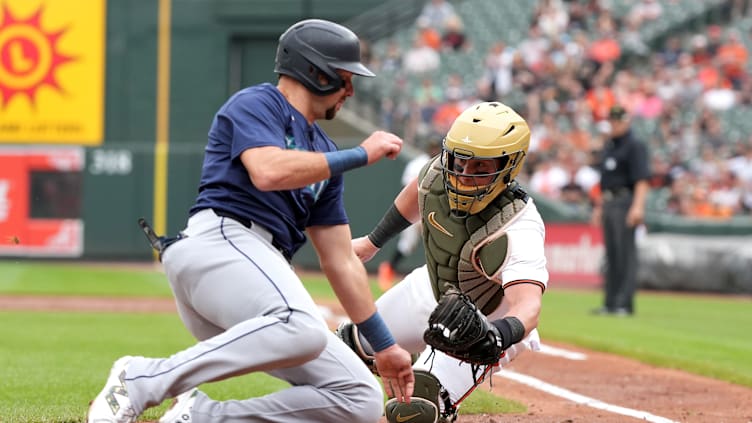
457 328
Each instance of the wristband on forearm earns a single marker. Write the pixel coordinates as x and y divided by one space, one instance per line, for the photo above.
390 225
376 333
511 329
343 160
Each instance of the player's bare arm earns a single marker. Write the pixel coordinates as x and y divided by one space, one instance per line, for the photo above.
407 201
344 271
523 301
349 281
272 168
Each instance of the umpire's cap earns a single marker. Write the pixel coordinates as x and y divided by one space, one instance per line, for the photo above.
315 47
617 112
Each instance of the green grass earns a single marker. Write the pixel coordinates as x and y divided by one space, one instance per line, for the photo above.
77 279
53 364
56 362
98 280
708 336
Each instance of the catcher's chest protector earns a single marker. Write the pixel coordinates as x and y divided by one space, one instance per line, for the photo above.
465 253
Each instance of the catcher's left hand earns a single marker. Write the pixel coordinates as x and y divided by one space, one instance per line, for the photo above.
457 328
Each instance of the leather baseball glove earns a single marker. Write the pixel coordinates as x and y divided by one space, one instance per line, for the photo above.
457 328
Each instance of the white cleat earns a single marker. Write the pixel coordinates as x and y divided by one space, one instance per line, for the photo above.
113 405
180 411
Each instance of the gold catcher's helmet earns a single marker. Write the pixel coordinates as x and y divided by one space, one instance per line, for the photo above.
489 130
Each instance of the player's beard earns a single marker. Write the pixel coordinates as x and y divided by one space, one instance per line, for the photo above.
330 112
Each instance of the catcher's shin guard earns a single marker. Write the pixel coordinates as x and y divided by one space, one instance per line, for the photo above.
424 404
348 333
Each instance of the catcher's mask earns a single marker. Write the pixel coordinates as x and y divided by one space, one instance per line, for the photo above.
313 48
483 151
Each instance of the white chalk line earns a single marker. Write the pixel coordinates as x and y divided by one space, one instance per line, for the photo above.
580 399
553 389
560 352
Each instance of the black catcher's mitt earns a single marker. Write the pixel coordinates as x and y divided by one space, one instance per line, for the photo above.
457 328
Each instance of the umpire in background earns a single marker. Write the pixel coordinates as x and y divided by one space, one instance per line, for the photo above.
625 171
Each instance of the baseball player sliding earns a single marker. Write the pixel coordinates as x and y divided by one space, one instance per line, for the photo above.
270 177
476 302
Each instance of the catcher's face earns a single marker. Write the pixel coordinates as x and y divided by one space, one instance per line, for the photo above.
470 182
476 172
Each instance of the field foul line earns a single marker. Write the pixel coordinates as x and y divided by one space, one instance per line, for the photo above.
580 399
561 352
549 388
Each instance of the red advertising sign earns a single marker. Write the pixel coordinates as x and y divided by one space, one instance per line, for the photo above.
40 202
574 253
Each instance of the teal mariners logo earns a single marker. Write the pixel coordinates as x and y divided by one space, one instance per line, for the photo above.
313 189
290 142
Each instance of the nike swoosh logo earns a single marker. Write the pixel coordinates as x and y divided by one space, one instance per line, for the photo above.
437 225
401 419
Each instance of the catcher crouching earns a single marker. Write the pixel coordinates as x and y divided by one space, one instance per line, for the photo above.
475 304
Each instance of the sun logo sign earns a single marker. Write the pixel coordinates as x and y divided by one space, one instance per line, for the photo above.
52 69
29 56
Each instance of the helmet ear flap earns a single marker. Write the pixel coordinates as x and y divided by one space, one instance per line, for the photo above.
326 79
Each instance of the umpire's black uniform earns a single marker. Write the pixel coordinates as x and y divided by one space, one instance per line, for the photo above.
624 163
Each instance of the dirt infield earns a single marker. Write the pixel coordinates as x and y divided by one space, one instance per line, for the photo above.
601 380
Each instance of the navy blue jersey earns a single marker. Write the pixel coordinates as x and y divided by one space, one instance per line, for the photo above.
260 116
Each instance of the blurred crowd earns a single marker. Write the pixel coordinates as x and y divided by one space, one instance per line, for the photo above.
576 61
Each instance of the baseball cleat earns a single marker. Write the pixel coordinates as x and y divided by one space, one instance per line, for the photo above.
180 410
112 405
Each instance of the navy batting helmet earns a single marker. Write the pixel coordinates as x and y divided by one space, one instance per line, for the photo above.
315 47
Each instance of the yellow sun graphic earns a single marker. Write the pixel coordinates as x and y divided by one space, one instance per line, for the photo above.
29 56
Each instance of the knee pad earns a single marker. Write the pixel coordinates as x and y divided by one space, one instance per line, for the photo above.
348 333
424 404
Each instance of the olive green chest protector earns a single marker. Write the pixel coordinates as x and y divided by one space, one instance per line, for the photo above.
466 253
